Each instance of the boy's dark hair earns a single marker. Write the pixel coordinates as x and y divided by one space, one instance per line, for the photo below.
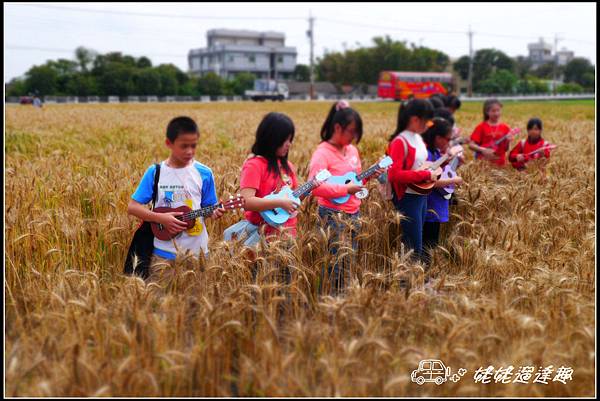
420 108
534 122
436 101
344 117
453 102
272 132
487 105
440 127
181 125
445 114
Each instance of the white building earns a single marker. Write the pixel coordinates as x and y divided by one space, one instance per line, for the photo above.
230 52
540 53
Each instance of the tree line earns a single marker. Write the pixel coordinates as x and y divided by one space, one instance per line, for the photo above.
116 74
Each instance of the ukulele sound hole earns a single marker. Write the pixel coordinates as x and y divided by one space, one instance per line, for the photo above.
275 212
347 182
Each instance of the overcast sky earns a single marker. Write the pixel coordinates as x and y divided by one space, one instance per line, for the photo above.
34 33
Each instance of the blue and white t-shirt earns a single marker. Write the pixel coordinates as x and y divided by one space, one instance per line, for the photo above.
192 186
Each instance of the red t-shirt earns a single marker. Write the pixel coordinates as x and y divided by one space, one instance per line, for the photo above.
524 147
485 134
256 175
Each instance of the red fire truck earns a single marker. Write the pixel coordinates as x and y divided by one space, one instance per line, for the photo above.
400 85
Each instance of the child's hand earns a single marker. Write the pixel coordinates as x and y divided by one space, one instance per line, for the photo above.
520 157
378 172
488 153
436 174
457 180
218 213
353 188
171 222
288 205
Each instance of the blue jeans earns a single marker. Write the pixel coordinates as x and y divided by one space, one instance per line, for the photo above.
414 207
338 274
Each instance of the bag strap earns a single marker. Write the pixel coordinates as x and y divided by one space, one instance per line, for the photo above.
155 185
405 150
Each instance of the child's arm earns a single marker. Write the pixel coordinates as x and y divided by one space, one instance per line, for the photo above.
256 204
445 182
169 220
397 174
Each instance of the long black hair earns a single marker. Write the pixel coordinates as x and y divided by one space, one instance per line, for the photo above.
534 122
272 132
344 116
441 127
413 108
445 114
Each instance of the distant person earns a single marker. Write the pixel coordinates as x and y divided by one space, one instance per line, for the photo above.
453 103
491 138
534 147
37 102
436 101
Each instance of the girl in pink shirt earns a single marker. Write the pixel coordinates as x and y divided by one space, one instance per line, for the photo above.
338 155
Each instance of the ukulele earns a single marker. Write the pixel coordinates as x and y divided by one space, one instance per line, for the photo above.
496 144
543 148
353 178
189 216
449 173
278 216
426 187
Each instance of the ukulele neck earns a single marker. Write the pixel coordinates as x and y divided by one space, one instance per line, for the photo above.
305 188
367 173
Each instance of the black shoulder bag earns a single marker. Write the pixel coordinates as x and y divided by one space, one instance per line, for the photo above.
142 244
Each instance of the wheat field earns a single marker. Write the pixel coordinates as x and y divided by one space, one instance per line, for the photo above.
515 273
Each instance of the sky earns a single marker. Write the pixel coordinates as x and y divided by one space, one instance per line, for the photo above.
35 33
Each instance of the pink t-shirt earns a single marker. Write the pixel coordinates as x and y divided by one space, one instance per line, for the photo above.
256 175
327 156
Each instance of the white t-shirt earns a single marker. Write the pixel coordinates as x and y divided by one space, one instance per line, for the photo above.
416 141
192 186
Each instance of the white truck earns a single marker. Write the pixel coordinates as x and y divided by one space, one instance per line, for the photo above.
266 89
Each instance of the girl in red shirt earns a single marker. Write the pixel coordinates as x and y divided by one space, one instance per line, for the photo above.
409 152
489 131
267 170
520 154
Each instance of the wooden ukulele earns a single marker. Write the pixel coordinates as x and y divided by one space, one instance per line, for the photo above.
189 216
426 187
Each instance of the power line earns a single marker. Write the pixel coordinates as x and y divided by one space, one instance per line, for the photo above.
49 49
138 14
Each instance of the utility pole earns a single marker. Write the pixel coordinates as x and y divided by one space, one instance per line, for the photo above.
554 70
310 34
470 78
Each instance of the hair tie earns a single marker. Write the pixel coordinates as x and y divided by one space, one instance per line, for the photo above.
342 104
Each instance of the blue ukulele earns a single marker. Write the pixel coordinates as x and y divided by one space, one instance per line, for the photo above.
351 177
278 216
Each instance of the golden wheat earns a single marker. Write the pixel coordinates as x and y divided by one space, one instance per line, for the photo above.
515 268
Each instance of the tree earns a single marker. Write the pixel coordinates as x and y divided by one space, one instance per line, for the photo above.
569 88
532 85
82 85
143 62
580 71
302 73
147 82
116 80
85 57
546 71
16 87
41 80
211 84
500 82
485 63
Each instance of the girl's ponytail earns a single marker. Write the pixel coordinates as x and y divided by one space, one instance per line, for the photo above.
341 113
413 108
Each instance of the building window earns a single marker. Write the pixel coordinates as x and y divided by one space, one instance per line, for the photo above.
252 58
280 59
230 59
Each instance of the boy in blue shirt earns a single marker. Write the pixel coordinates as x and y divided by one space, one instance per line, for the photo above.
182 181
